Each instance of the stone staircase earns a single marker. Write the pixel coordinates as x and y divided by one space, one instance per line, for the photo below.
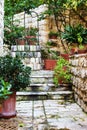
42 87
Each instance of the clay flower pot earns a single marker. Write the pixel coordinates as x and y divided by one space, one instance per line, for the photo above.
49 64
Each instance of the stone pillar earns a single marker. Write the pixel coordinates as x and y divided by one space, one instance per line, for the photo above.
79 79
1 25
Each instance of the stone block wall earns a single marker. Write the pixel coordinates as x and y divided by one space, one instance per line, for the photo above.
1 25
79 79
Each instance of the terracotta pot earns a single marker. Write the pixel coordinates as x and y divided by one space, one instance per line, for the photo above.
53 37
20 41
65 56
9 106
81 51
49 64
30 40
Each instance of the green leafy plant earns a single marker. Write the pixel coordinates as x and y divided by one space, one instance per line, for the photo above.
52 33
75 34
51 43
31 31
62 72
49 54
5 89
13 71
12 33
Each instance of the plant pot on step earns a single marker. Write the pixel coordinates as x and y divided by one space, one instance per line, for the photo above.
9 106
49 64
20 41
31 40
65 56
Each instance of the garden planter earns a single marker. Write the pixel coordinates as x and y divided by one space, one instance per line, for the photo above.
31 40
9 106
49 64
81 51
53 37
65 56
20 41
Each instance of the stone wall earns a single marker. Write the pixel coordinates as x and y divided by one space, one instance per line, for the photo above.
1 25
79 78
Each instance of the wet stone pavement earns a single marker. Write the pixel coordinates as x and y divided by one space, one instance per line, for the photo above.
50 115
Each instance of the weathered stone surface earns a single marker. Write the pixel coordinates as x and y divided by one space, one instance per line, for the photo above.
79 79
50 115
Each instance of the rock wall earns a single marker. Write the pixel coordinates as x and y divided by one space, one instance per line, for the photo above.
1 25
79 78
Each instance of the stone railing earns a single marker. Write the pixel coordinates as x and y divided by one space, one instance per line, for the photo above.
1 25
79 79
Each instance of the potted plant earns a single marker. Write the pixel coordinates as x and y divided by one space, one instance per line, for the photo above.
20 36
51 43
75 36
61 72
5 92
13 71
53 35
14 35
31 34
50 58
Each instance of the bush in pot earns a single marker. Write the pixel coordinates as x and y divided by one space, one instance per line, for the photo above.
31 34
5 92
50 58
13 71
14 35
61 72
53 35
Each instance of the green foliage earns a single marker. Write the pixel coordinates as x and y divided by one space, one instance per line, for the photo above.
5 89
75 34
32 31
62 72
75 4
12 33
49 54
51 43
16 6
13 71
51 33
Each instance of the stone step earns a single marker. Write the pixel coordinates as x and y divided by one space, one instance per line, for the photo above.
60 95
41 80
41 77
42 73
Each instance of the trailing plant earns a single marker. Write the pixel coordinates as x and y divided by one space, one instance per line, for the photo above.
13 71
62 72
5 89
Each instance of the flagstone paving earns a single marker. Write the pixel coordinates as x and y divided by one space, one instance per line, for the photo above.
50 115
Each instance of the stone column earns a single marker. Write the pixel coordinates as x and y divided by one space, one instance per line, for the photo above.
1 25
